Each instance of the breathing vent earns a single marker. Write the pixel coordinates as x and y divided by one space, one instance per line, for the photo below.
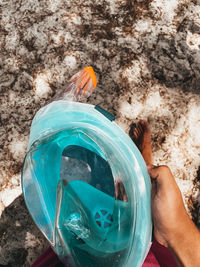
103 218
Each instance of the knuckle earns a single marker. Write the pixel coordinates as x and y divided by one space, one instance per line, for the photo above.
165 169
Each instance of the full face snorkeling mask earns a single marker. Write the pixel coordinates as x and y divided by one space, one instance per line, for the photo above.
85 183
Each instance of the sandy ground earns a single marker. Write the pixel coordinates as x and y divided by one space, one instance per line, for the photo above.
147 58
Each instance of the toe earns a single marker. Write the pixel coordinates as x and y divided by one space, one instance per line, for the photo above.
145 124
136 132
132 129
140 128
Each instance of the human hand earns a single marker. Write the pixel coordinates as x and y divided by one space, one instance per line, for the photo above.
172 226
168 211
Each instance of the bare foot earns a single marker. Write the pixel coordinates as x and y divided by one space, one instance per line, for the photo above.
141 136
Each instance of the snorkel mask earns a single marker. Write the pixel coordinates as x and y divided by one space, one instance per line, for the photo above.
85 183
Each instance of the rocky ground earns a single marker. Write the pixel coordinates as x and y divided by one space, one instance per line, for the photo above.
146 54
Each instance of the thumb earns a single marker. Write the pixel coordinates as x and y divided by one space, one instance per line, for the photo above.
161 175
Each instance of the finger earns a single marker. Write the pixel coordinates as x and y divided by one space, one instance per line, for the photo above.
123 195
120 193
162 175
116 190
150 166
